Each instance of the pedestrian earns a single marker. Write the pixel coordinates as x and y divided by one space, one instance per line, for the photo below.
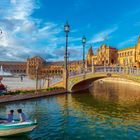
21 78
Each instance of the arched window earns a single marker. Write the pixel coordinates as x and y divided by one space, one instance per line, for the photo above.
112 61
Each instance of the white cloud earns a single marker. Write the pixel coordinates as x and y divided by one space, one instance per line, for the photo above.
128 42
25 36
100 36
22 36
13 1
75 52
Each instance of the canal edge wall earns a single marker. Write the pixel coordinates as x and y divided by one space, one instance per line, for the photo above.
13 98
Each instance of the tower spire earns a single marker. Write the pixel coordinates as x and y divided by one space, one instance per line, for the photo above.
89 56
90 51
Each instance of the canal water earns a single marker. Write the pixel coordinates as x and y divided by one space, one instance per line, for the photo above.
109 111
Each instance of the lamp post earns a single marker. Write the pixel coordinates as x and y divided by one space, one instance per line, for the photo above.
66 29
84 42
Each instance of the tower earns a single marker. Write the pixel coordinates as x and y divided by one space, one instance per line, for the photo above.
89 56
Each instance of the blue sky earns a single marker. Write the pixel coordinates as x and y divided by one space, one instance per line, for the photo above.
36 27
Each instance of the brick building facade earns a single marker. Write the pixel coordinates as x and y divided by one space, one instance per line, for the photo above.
110 56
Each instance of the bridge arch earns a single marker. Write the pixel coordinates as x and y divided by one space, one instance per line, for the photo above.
84 84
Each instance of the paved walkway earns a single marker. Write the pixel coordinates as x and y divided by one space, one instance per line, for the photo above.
14 83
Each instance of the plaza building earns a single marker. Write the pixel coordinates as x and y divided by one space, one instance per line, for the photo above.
38 66
14 67
42 68
130 56
111 56
105 56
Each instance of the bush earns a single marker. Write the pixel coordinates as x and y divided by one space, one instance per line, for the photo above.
21 92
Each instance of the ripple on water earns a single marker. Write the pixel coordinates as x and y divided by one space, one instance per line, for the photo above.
99 115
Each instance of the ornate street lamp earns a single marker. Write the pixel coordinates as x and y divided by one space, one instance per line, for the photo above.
84 42
66 29
68 55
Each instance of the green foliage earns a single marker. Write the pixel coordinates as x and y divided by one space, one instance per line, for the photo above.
22 92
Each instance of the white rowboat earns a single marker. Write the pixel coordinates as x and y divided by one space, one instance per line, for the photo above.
16 128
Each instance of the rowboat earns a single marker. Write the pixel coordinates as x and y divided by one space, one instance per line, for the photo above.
16 128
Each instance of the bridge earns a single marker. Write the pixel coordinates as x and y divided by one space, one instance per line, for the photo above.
82 80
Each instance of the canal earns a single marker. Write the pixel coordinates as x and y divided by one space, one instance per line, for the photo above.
109 111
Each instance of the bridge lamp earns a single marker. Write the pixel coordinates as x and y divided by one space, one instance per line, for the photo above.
84 42
66 29
83 39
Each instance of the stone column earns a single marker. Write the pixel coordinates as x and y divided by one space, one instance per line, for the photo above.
92 66
104 69
93 69
65 79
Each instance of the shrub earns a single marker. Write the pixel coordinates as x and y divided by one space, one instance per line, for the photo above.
21 92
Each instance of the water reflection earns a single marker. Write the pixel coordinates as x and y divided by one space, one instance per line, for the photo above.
121 93
110 97
109 111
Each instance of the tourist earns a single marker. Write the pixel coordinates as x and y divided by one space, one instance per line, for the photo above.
21 115
21 78
10 116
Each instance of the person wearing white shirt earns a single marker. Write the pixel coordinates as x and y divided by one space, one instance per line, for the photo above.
22 116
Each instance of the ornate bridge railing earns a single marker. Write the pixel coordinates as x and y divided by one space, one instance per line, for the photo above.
100 71
117 69
108 69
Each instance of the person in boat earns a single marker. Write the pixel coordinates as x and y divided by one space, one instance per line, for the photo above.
22 116
10 116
